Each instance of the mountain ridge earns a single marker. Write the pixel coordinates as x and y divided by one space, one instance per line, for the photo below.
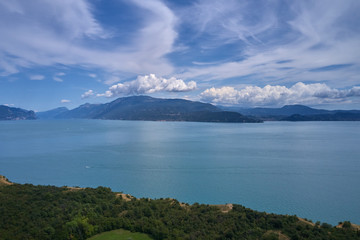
154 109
51 113
297 113
157 109
12 113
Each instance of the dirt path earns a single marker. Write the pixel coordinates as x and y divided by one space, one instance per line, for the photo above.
4 181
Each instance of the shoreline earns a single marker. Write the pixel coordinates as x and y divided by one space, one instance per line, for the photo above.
224 208
50 212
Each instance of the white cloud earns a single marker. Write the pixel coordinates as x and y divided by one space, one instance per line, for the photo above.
87 94
231 21
65 101
92 75
57 79
33 37
37 77
299 93
310 34
149 84
58 75
9 104
112 80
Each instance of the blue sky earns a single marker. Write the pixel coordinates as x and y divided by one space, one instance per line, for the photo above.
237 52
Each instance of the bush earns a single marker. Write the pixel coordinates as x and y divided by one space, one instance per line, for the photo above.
346 224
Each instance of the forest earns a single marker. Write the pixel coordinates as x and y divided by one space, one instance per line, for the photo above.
48 212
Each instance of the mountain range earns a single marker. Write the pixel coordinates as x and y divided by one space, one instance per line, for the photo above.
150 109
297 113
156 109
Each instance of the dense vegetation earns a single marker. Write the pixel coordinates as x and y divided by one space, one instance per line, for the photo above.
120 234
48 212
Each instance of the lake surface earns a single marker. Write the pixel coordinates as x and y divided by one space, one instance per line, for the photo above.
311 169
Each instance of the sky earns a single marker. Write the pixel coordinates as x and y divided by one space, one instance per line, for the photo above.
244 53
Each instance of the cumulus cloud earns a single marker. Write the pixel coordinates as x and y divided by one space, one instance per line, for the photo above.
65 101
299 93
149 84
37 77
87 94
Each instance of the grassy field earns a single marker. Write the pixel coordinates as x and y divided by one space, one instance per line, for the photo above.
120 235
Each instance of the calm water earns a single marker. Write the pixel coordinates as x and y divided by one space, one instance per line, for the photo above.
311 169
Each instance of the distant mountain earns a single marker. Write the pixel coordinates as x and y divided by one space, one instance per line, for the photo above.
154 109
51 113
298 113
337 116
11 113
286 110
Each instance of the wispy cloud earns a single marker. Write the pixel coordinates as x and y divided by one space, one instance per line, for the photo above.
61 35
215 43
299 93
37 77
231 21
57 79
65 101
149 84
303 43
57 76
112 80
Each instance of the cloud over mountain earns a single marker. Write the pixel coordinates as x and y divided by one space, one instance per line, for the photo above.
84 44
87 94
299 93
149 84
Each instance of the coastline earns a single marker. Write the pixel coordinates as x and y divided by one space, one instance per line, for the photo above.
224 208
5 181
80 213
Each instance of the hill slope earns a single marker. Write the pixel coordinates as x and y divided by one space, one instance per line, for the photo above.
155 109
51 113
11 113
338 116
298 113
286 110
48 212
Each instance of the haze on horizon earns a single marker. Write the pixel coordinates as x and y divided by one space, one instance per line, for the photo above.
236 53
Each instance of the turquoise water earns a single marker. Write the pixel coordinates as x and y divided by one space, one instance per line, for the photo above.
311 169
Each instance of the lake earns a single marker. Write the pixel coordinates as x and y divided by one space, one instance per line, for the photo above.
311 169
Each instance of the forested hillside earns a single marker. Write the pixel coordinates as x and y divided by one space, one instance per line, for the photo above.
48 212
